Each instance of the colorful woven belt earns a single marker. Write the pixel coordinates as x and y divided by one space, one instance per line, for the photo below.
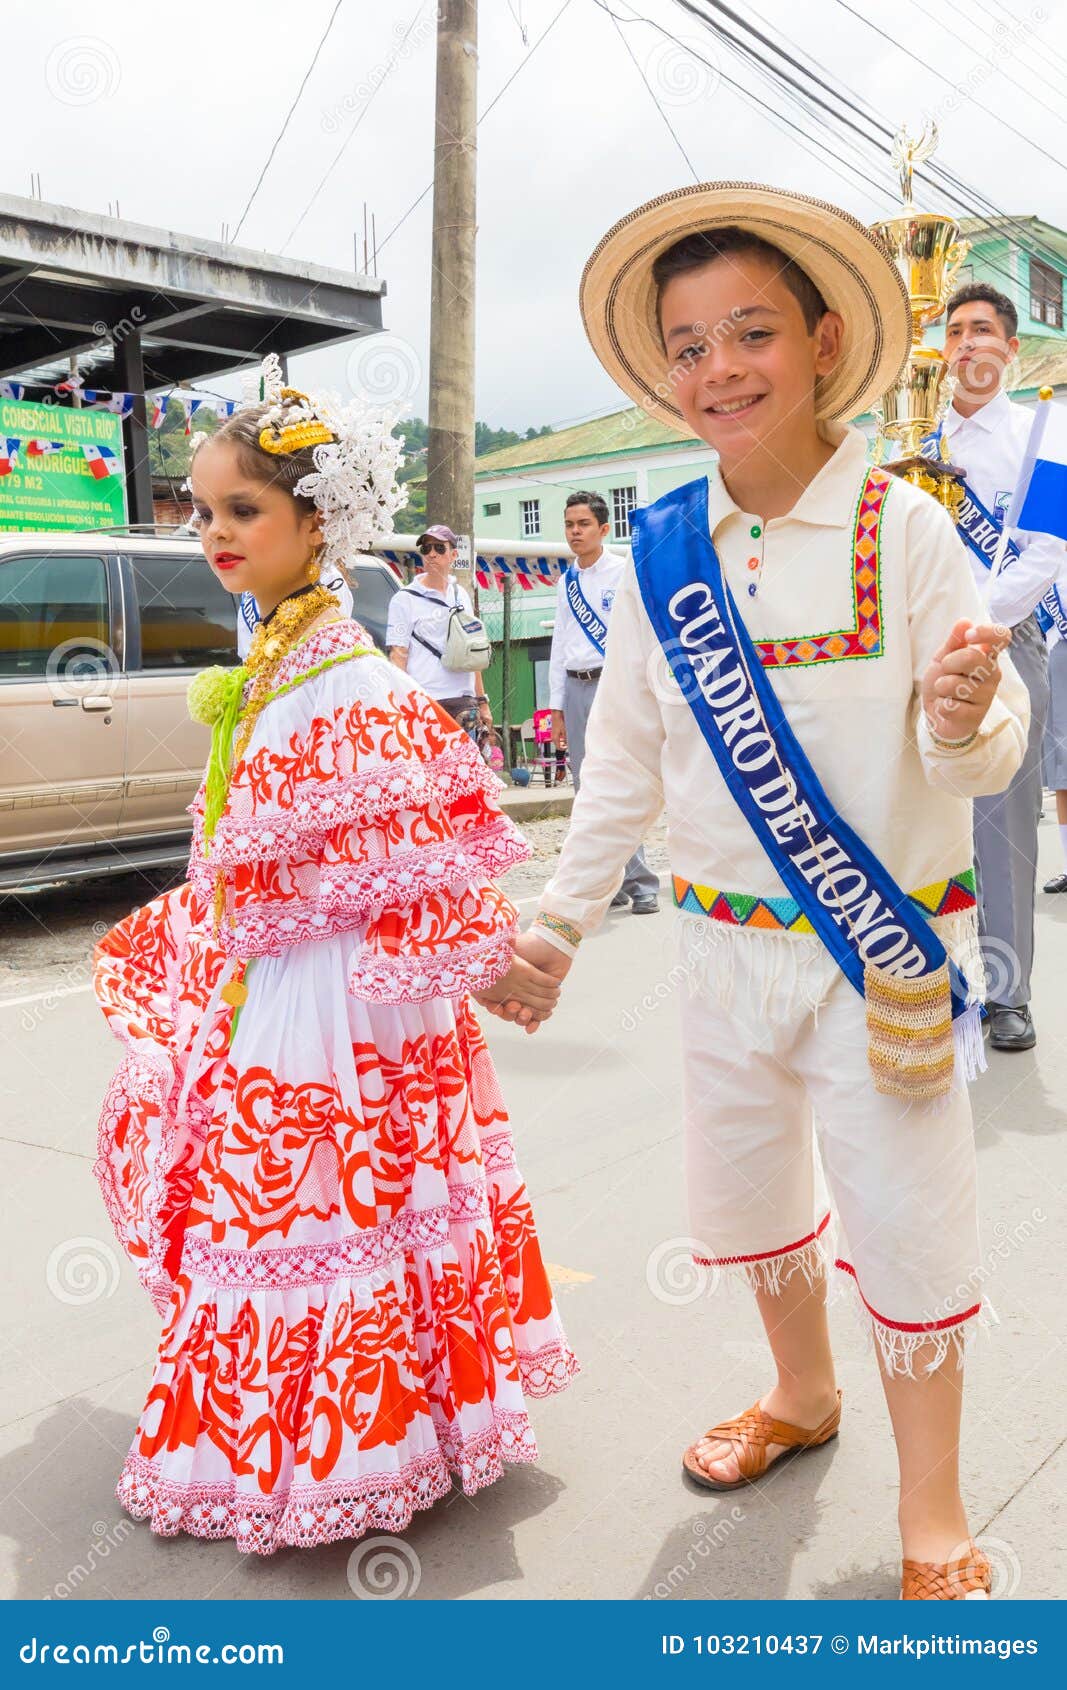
740 909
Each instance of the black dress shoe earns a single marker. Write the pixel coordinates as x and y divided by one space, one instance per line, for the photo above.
1011 1029
646 906
1058 883
620 901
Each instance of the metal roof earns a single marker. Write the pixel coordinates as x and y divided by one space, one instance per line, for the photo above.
74 282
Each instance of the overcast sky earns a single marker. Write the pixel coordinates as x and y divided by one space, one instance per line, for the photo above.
171 110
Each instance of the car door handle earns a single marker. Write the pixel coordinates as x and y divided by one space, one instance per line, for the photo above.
64 704
96 701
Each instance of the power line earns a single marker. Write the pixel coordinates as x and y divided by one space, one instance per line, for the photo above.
1017 26
670 126
957 190
1010 127
288 115
499 95
390 62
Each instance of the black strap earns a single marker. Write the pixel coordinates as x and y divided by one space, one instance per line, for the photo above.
451 608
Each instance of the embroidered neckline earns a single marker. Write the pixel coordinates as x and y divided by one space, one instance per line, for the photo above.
864 638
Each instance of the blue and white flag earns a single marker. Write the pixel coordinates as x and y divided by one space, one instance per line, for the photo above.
1039 504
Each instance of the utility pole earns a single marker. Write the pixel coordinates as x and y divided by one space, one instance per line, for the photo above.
450 446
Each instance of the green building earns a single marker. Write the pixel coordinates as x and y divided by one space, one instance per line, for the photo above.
631 458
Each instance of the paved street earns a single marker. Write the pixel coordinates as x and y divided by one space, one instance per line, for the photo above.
595 1103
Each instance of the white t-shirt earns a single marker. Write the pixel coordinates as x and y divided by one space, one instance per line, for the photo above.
425 612
248 617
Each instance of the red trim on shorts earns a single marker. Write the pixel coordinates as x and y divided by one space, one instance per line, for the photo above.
764 1255
906 1325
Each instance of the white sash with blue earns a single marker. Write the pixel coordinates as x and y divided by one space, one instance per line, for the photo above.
593 626
980 529
852 901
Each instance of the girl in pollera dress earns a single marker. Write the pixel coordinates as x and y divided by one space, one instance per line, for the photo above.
304 1151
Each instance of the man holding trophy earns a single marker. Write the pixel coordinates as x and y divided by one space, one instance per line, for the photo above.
970 460
986 434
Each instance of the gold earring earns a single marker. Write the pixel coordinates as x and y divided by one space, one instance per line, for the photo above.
312 568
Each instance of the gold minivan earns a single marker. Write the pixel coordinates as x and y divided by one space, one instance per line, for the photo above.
99 636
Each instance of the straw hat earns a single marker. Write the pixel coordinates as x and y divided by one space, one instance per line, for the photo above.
849 265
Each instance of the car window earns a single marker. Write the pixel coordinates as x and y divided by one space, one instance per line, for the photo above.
372 590
53 616
188 619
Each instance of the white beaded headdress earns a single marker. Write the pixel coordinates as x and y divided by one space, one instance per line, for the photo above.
356 457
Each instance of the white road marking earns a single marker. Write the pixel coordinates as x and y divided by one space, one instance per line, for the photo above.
41 997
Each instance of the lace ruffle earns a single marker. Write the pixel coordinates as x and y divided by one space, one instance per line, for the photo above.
320 808
132 1180
312 1514
414 979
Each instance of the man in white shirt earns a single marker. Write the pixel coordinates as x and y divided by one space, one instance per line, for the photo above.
578 657
418 628
985 434
1055 748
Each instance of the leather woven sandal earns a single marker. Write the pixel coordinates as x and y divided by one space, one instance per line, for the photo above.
748 1436
969 1576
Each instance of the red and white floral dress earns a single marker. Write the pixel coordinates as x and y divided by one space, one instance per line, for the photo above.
319 1190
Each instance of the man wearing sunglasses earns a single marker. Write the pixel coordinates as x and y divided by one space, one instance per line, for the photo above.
418 627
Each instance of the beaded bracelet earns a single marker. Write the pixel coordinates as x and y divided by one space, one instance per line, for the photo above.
556 924
951 744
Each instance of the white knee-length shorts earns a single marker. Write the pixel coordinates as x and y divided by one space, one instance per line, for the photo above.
780 1105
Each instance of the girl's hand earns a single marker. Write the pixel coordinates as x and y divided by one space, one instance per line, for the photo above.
525 993
547 962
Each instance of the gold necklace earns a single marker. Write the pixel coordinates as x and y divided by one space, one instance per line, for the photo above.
271 644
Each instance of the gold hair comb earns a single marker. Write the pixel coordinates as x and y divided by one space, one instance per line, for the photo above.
292 437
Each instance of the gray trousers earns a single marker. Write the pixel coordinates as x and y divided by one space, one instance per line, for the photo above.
638 880
1005 841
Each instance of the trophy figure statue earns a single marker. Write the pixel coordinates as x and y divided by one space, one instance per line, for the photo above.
928 252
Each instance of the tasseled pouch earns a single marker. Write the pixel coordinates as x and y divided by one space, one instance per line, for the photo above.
910 1044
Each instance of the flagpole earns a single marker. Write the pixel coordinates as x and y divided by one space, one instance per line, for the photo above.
1044 397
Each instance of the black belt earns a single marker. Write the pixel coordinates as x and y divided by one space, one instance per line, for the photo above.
584 674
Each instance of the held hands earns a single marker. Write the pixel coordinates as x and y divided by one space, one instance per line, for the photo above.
529 991
964 674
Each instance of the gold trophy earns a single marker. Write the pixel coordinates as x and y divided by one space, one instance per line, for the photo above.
928 252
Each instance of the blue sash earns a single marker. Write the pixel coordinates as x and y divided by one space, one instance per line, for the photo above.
593 627
825 866
980 529
1053 606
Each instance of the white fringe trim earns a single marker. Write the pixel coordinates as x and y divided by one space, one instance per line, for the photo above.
792 970
959 935
771 1274
900 1351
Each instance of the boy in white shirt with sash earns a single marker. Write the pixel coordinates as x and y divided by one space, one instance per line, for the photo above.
800 671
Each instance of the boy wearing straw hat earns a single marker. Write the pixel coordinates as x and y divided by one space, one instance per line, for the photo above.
800 673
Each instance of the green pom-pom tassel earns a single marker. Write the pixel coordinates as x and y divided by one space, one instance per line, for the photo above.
217 783
207 694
